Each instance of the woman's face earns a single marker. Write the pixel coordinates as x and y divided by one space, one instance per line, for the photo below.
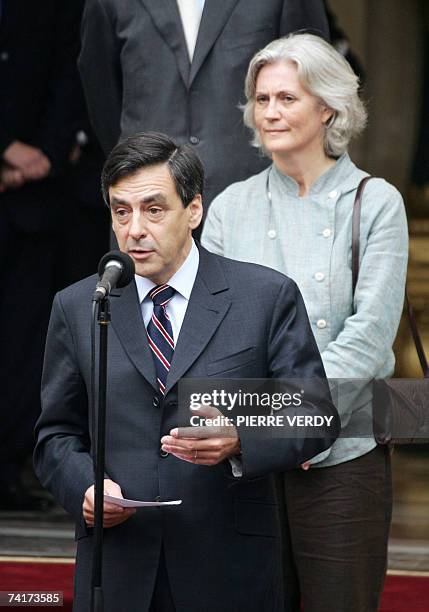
289 119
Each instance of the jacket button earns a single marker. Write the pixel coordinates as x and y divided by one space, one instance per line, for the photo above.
194 140
155 401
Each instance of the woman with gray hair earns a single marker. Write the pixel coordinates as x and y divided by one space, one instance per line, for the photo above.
303 107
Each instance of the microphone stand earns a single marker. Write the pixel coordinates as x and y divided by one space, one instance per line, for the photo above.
97 603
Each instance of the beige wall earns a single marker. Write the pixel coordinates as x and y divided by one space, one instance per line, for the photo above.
387 36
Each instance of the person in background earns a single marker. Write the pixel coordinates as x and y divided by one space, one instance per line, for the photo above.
85 218
40 106
303 107
178 67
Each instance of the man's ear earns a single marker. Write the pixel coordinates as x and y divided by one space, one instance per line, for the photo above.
195 211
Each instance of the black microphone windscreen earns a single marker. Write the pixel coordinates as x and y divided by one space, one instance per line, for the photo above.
128 267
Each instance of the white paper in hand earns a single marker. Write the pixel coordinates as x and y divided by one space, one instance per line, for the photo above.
132 503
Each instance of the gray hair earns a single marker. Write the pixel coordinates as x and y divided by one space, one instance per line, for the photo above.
325 74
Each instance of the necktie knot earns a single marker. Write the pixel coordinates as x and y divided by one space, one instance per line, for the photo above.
161 294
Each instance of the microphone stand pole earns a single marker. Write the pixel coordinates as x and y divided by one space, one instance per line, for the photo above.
97 604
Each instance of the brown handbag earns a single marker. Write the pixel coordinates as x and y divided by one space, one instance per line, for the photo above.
400 405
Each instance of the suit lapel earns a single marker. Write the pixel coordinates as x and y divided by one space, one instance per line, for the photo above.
166 17
208 304
128 323
215 15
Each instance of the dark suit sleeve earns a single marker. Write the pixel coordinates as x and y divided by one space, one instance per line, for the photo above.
6 138
99 65
292 355
61 457
308 15
64 105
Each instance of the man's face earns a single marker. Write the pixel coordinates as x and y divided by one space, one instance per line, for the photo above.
151 223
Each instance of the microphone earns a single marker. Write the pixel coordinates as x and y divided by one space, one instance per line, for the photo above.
116 269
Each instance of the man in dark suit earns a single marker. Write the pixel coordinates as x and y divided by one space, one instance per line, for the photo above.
189 314
161 65
40 103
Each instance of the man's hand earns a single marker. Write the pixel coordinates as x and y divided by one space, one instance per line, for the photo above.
203 445
113 514
10 178
30 161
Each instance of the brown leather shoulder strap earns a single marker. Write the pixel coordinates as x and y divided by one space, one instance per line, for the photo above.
355 273
356 231
416 336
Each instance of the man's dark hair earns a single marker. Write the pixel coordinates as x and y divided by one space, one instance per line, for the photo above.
150 148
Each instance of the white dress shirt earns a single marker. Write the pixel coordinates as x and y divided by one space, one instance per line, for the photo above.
191 12
182 281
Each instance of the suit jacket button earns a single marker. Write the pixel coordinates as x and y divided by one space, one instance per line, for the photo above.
162 453
155 401
194 140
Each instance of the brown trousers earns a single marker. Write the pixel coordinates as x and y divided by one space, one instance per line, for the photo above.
336 524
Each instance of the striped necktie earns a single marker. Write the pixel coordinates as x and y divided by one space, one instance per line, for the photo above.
160 333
